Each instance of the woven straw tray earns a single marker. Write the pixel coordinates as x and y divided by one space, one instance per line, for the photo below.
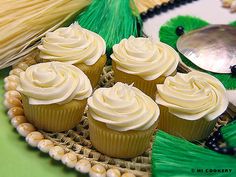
73 147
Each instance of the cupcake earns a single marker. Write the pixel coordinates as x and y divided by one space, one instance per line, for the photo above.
54 95
122 120
144 63
190 104
78 46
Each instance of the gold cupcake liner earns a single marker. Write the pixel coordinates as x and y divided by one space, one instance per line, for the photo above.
191 130
94 71
147 86
117 144
54 117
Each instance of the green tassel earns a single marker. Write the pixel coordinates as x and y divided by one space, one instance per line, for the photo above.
233 24
113 20
176 157
229 133
167 35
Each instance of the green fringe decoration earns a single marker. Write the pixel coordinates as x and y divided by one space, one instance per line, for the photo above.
167 35
114 20
176 157
229 133
233 24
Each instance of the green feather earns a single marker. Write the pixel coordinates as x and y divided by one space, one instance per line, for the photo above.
229 133
176 157
113 20
168 36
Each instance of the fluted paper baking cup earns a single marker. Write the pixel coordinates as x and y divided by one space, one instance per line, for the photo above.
119 144
147 86
192 130
94 71
54 117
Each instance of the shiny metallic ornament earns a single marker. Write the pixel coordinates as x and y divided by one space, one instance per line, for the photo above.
212 48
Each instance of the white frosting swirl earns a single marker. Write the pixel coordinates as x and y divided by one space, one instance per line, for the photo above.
123 108
142 57
54 82
193 96
72 44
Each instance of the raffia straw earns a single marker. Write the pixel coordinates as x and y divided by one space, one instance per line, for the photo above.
144 5
172 156
229 133
23 23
